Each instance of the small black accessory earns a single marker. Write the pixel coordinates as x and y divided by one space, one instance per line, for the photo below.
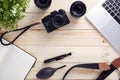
78 9
43 4
47 72
57 58
24 30
55 20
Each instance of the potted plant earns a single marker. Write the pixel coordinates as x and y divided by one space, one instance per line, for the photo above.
11 12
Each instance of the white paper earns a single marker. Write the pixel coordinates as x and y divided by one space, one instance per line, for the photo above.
14 63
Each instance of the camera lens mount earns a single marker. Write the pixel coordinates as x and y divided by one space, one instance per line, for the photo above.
78 9
43 4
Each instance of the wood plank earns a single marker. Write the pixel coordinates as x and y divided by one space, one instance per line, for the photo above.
75 23
79 54
60 38
55 6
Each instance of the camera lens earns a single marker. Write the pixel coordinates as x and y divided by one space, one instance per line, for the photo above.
43 4
43 1
58 20
78 9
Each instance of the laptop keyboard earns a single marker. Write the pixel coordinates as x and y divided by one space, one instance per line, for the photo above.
113 8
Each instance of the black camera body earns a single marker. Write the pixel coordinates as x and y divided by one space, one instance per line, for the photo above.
55 20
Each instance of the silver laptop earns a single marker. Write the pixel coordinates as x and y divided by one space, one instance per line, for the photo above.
105 16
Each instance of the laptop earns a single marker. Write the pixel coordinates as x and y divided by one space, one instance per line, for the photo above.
15 63
105 16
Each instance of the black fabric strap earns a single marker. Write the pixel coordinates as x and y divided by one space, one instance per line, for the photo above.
24 30
102 76
105 74
89 66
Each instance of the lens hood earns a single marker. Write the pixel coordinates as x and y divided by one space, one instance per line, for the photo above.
43 4
78 9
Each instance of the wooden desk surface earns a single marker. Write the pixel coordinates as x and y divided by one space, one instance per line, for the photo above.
79 37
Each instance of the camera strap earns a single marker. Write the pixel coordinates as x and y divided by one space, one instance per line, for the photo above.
24 30
106 69
99 66
113 66
105 74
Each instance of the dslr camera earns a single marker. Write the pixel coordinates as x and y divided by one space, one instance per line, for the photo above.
55 20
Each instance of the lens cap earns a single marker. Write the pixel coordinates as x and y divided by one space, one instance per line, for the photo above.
43 4
78 9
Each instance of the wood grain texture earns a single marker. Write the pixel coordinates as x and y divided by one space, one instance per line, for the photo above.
79 37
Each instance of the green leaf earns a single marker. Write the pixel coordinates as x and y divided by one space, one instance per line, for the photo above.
11 12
